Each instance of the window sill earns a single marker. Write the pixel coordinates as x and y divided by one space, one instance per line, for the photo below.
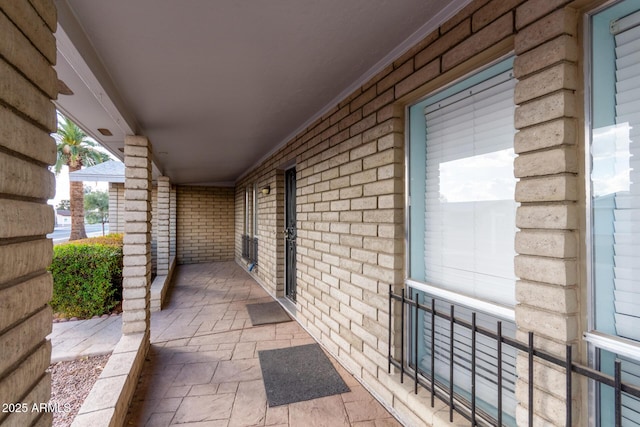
496 310
621 346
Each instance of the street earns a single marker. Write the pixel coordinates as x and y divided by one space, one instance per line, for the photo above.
61 234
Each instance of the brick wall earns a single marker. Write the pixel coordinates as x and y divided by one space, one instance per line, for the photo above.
350 197
154 229
205 224
162 225
27 117
172 221
116 207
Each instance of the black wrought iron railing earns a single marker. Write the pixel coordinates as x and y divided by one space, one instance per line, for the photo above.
447 389
254 252
245 246
250 248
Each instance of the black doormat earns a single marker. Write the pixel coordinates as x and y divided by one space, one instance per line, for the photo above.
266 313
296 374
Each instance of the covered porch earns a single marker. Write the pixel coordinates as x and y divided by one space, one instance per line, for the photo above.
239 120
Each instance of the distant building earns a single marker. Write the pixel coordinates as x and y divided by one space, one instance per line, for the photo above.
111 171
63 217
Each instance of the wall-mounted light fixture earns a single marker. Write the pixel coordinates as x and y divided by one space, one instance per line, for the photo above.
265 190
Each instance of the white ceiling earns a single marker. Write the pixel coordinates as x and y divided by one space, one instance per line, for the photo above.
216 85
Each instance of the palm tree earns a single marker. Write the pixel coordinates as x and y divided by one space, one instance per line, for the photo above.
75 150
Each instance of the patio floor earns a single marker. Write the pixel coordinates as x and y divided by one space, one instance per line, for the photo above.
203 367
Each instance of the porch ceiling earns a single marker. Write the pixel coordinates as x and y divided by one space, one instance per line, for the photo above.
217 85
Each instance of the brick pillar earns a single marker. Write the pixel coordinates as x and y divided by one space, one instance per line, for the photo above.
27 117
163 212
137 239
113 209
172 222
548 217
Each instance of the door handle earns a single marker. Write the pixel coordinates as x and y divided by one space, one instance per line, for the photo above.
289 233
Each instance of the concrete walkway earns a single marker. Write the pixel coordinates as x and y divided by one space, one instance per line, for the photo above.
84 338
203 367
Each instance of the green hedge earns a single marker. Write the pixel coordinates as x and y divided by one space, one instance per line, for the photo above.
87 276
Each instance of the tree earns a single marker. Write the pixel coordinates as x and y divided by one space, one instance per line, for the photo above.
75 150
96 204
64 205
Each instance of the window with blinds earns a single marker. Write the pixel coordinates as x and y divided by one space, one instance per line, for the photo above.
615 174
615 195
251 210
248 212
626 223
470 207
462 229
250 226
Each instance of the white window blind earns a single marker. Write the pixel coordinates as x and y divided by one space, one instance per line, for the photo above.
615 172
627 199
627 203
470 186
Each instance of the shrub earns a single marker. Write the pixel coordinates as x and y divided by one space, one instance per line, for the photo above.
113 239
87 276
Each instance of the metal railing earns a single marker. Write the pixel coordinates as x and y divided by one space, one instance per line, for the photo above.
245 246
250 248
411 309
253 252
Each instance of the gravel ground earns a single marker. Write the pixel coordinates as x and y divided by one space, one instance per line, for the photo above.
70 384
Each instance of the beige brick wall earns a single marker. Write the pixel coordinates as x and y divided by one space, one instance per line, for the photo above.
116 207
162 225
172 221
154 229
205 224
27 117
202 221
350 199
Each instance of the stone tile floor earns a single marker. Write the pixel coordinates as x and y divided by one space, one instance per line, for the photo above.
203 368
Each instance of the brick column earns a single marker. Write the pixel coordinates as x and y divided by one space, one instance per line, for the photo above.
163 212
27 117
172 221
548 217
137 239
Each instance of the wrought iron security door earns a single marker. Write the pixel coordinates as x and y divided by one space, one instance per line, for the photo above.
290 233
